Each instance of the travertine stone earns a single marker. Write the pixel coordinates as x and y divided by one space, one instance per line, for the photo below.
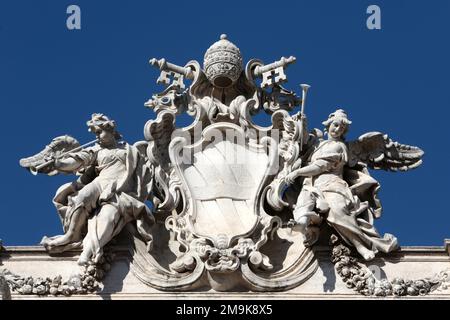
236 207
121 283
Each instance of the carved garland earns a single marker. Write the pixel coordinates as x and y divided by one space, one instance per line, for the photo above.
362 280
87 282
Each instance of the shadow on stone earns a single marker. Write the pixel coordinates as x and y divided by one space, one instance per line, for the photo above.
277 249
113 281
330 274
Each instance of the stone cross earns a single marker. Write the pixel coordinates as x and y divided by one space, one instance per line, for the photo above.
273 77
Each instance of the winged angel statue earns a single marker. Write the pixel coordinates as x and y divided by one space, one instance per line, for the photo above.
338 188
115 181
230 224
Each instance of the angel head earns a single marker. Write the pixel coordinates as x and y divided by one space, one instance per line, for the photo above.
337 124
104 128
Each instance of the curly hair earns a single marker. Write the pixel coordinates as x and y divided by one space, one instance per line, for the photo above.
101 122
340 115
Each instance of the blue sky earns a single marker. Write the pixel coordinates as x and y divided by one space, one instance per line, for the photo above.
394 80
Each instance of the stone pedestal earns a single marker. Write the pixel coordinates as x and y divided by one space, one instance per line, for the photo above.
121 283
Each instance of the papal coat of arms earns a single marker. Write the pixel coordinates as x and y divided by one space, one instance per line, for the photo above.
223 202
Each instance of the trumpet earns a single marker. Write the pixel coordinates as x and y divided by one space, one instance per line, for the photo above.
305 88
35 170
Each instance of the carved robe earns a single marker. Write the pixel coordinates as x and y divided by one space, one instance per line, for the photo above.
117 177
346 197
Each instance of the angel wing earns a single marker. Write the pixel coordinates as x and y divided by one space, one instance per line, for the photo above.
289 131
54 149
289 135
158 133
379 151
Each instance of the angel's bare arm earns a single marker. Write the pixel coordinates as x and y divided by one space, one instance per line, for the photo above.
324 163
311 170
68 165
75 161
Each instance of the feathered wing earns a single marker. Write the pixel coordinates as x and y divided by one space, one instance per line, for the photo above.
288 134
54 149
288 149
158 133
378 151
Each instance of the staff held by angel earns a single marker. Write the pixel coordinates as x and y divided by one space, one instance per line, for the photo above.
336 185
115 181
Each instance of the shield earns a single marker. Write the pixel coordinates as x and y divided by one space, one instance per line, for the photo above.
223 173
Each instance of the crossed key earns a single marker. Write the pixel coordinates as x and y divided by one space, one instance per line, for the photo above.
272 77
171 78
171 74
273 73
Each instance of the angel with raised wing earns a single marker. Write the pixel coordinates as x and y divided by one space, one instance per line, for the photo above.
115 181
338 188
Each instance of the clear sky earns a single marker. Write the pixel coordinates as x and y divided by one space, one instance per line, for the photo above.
394 80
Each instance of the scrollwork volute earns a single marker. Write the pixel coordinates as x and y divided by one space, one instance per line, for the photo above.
233 205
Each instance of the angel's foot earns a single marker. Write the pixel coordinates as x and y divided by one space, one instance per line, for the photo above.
45 240
369 256
83 260
58 241
366 253
48 243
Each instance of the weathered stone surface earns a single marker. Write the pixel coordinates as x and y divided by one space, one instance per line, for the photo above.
235 207
121 283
